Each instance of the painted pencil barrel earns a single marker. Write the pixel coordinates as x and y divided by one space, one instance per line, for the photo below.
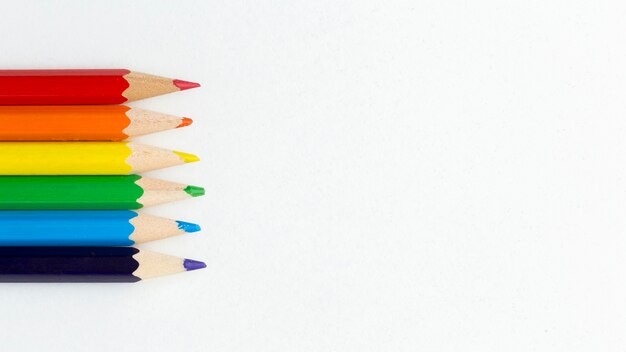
82 123
89 192
66 228
68 264
37 87
85 158
70 192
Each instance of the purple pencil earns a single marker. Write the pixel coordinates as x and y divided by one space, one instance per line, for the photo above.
87 264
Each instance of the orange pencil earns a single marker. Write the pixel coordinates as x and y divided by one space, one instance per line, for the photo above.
82 123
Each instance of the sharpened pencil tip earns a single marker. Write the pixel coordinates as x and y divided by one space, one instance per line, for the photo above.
195 191
188 227
184 85
188 158
185 122
193 265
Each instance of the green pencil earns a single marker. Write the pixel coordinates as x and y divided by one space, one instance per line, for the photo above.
89 192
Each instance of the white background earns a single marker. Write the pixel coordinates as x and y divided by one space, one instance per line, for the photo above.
381 176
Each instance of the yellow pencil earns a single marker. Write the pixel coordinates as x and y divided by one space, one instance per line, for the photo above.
85 158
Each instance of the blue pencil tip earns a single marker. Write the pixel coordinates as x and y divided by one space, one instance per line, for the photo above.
193 265
188 227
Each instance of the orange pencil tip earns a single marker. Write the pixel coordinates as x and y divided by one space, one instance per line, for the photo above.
186 122
184 85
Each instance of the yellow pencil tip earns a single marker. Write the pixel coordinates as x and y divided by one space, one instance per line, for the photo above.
188 158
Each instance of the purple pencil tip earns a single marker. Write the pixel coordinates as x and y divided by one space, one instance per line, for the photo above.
193 265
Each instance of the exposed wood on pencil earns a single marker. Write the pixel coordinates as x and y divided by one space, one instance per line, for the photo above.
144 122
146 158
152 264
159 192
152 228
143 86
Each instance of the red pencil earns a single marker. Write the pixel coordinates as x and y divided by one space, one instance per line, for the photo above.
81 87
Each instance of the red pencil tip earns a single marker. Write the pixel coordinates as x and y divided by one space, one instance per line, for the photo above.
186 122
184 85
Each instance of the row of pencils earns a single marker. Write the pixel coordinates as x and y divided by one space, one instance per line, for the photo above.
70 188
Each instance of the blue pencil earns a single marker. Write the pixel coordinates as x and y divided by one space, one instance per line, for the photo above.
86 228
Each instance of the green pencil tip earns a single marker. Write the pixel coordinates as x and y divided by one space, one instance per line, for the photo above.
194 191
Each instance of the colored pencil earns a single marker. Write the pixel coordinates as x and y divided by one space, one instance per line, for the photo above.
85 158
90 192
86 228
88 264
83 87
82 122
